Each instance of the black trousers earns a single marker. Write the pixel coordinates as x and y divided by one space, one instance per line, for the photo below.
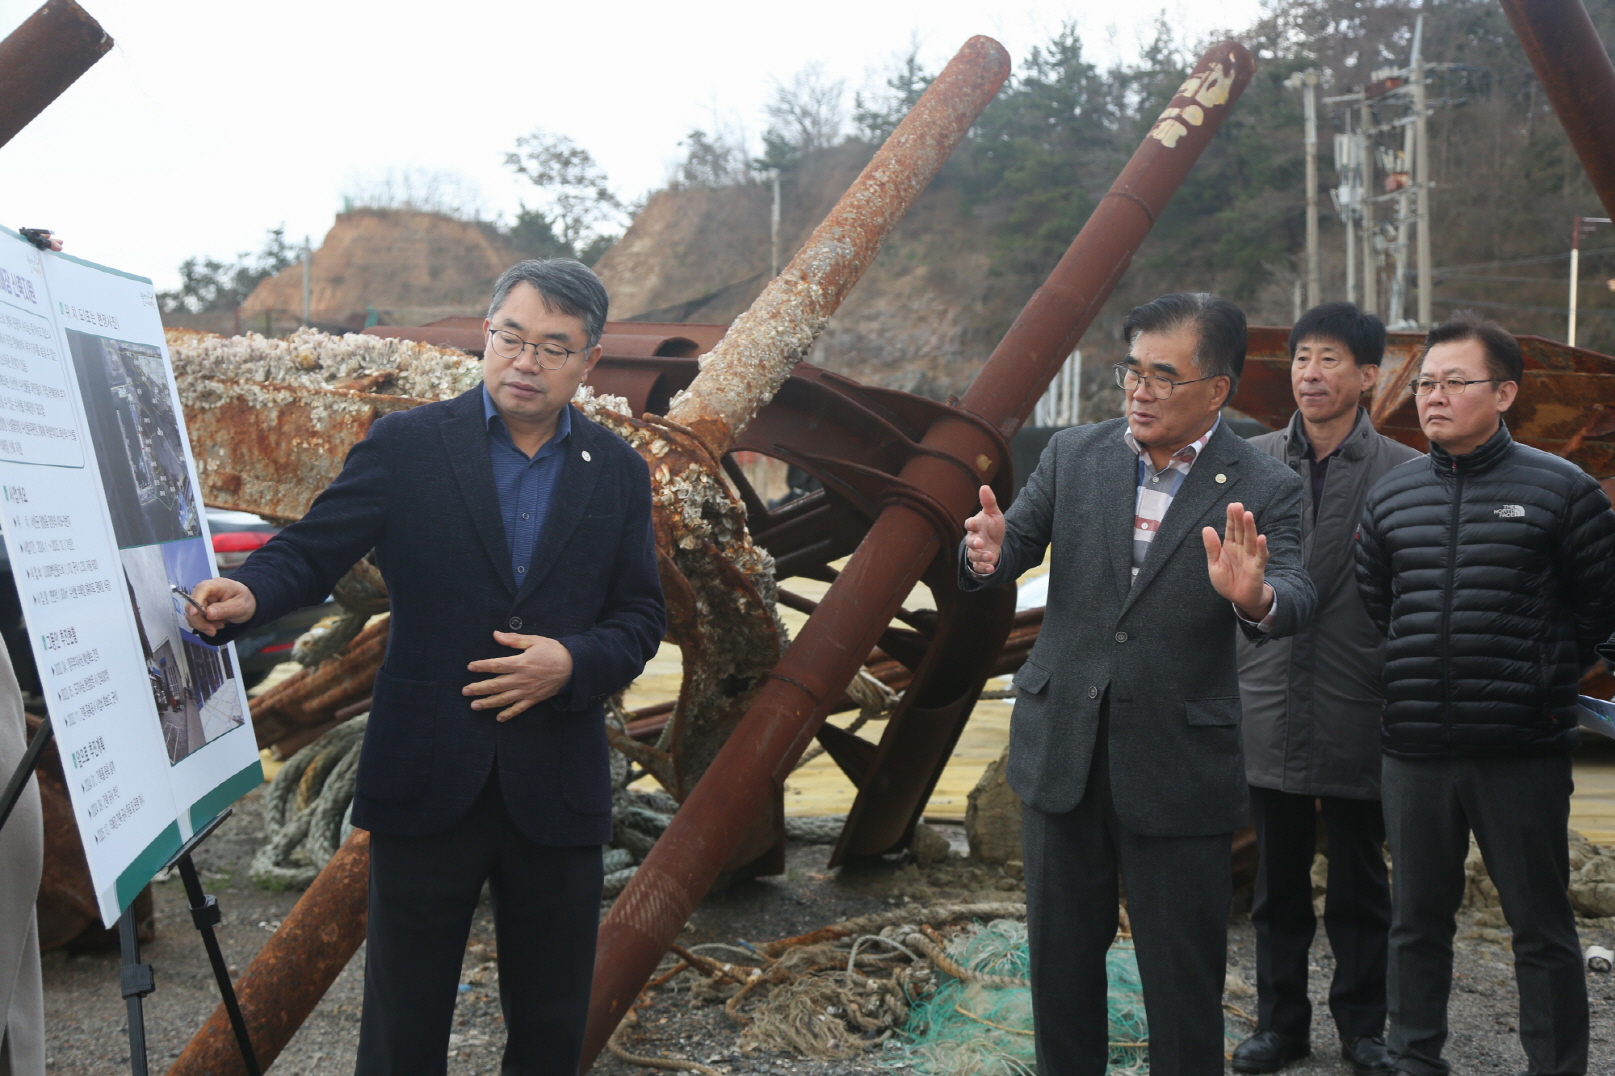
1178 889
423 894
1518 809
1356 916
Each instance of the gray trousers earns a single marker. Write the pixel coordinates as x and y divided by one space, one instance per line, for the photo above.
1518 809
1178 893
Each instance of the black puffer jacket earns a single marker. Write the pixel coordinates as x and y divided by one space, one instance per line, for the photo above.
1493 576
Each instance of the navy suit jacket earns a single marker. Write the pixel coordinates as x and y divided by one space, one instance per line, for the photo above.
419 490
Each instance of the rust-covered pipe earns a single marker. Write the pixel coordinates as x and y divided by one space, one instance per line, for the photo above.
716 823
43 57
751 362
293 970
1569 60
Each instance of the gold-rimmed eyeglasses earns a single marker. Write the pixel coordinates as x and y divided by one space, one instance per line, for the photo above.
1128 378
1452 386
549 355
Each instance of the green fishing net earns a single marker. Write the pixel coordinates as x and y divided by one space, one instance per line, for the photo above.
977 1029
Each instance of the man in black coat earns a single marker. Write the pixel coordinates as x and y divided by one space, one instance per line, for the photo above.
1312 709
1490 565
1124 746
515 538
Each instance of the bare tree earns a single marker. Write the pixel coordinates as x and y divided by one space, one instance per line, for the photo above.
711 161
805 115
580 202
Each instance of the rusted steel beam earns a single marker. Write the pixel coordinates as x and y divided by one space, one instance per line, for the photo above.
1560 41
294 968
314 696
755 357
43 57
717 820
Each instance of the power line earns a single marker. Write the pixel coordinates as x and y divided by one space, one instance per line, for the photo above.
1538 260
1604 312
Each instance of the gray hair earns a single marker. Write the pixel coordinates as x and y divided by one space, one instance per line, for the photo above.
1219 323
566 285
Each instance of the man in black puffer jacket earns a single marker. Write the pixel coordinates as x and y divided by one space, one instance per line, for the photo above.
1491 568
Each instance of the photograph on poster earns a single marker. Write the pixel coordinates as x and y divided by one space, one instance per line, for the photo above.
137 439
192 683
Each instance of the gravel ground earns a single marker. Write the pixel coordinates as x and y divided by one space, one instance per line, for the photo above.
87 1035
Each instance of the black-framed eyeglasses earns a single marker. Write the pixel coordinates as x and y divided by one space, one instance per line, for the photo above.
549 355
1128 378
1452 386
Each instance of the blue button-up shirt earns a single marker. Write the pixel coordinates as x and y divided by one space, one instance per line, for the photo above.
526 485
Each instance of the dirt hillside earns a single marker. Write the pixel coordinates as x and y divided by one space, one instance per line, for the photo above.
408 267
923 318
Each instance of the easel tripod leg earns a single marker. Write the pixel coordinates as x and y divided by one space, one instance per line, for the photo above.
138 981
205 914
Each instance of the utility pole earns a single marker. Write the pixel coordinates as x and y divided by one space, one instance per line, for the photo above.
1307 83
308 269
1350 192
1370 262
1421 174
773 228
1345 147
1578 226
1396 316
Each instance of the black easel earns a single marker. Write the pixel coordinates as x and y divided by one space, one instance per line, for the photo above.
138 980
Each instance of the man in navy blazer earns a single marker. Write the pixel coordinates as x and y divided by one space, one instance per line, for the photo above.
515 538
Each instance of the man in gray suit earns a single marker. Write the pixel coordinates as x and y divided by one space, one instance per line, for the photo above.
1125 744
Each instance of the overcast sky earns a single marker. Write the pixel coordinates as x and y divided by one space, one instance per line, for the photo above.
211 122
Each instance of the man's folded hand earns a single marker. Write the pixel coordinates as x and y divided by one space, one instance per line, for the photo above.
521 681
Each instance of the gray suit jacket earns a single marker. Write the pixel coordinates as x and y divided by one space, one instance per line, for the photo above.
1161 646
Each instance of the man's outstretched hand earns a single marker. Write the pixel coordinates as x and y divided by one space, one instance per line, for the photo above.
984 535
1237 563
226 602
523 680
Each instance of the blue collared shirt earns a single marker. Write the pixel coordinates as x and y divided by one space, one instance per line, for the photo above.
526 485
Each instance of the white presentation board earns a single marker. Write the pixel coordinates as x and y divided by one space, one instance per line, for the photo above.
98 499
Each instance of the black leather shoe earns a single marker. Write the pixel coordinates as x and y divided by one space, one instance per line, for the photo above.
1369 1056
1268 1051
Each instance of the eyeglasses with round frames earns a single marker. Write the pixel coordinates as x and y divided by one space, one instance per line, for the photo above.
1452 386
549 355
1128 378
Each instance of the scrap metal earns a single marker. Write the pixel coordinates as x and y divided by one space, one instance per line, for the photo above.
920 511
42 58
714 575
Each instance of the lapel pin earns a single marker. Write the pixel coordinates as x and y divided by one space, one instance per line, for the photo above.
1220 478
587 458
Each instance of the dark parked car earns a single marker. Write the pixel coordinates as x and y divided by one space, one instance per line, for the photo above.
235 536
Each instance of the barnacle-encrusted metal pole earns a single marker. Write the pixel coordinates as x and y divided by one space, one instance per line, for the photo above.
741 374
43 57
923 509
719 584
